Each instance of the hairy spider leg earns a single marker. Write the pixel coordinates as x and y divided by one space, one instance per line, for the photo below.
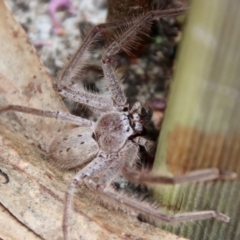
130 151
95 167
50 114
149 177
127 158
76 64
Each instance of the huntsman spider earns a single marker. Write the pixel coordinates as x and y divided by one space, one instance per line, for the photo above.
111 144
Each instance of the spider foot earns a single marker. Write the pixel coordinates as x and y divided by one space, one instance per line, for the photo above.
222 217
227 175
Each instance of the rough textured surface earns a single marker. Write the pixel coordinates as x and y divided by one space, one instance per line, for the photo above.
24 81
11 227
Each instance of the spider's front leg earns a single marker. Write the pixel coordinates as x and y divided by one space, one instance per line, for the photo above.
74 69
125 201
125 42
130 152
146 177
150 210
150 146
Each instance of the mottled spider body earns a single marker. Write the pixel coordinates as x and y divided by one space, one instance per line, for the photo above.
107 136
112 131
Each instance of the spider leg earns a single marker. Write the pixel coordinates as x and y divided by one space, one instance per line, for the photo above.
75 66
147 177
150 146
76 63
128 157
202 175
111 173
95 101
125 42
91 170
118 96
138 25
149 210
51 114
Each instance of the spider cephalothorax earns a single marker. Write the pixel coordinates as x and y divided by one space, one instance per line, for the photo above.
112 131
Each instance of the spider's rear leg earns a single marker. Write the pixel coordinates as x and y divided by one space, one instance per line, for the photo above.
93 169
150 210
50 114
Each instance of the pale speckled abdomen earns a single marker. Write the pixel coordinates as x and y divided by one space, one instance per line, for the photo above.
73 147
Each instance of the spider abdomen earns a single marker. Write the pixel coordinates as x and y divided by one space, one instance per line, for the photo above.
112 131
73 147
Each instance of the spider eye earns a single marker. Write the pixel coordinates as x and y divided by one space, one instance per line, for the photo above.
138 127
146 113
93 136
